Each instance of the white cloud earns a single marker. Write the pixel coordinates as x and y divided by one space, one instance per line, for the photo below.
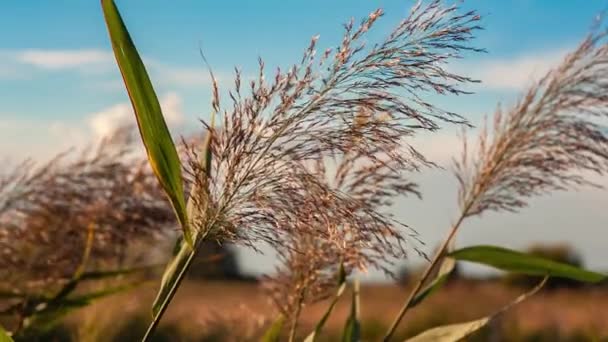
183 76
171 104
40 140
18 64
64 59
104 122
186 76
512 73
439 147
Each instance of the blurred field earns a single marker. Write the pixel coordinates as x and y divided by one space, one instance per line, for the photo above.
203 311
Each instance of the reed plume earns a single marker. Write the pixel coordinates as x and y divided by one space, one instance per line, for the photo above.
550 140
274 130
308 161
46 211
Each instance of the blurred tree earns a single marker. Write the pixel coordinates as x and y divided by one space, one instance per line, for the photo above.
215 261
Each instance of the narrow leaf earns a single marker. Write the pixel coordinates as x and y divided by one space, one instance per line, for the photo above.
513 261
88 298
452 332
50 314
155 135
273 334
97 275
341 287
447 266
459 331
4 337
12 294
176 269
192 208
352 329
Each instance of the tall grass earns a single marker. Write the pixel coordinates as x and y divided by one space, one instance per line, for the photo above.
79 218
309 161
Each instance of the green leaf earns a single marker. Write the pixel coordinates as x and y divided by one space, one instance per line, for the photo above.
341 287
97 275
513 261
48 315
162 155
352 329
192 208
178 266
273 334
459 331
176 269
88 298
447 266
12 294
452 332
4 337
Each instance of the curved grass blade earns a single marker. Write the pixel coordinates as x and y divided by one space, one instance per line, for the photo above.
175 268
273 334
71 285
517 262
49 315
352 329
97 275
452 332
155 135
183 257
341 287
459 331
4 337
13 294
178 266
447 266
192 209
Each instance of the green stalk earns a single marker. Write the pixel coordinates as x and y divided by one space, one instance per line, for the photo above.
172 290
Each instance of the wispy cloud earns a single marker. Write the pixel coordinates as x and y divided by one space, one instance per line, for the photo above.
63 59
42 139
512 73
107 120
25 63
180 76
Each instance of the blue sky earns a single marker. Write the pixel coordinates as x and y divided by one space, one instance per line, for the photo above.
59 86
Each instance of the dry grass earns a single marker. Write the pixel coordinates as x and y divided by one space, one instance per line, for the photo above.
47 211
308 162
203 307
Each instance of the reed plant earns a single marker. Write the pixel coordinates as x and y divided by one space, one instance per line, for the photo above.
309 160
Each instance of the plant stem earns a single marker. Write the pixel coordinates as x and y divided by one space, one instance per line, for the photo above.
427 273
172 292
296 316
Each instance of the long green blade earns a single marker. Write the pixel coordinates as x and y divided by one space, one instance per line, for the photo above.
459 331
447 266
513 261
312 337
52 313
171 276
352 328
177 268
4 337
152 127
273 334
452 332
97 275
